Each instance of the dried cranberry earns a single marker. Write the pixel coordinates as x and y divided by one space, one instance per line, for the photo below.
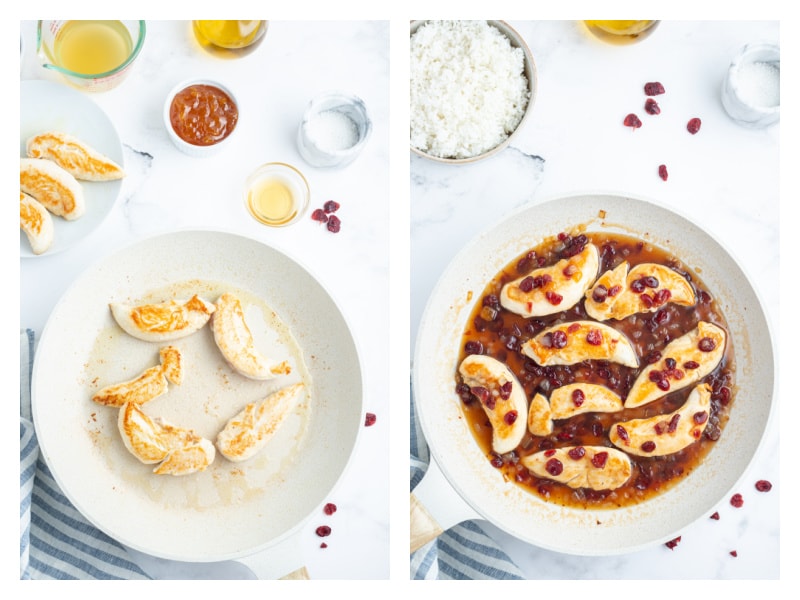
370 419
653 358
578 397
693 126
491 300
550 452
673 423
672 543
565 436
577 452
632 120
334 224
329 508
637 286
700 417
653 88
662 172
594 337
496 462
554 467
553 298
614 290
733 553
706 344
670 362
762 485
599 459
331 206
505 390
623 434
650 281
690 364
648 446
558 339
526 285
651 107
737 500
510 417
319 215
715 516
663 384
323 545
600 293
473 347
323 531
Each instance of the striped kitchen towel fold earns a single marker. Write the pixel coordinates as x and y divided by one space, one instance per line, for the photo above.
463 551
55 541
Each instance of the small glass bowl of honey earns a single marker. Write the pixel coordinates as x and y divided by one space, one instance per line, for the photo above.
276 194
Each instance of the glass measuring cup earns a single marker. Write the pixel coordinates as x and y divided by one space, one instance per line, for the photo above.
67 46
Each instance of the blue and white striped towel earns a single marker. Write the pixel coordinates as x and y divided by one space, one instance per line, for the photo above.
463 551
55 541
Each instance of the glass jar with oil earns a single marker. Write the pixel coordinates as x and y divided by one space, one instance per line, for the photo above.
229 39
276 194
621 32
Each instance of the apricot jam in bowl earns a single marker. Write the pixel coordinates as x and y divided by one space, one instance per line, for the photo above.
201 116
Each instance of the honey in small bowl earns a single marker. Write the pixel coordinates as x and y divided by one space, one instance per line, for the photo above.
276 194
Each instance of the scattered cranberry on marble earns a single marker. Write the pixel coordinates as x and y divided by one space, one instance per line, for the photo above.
737 500
762 485
323 531
662 172
329 508
693 126
654 88
632 120
370 419
672 543
651 107
334 224
733 553
715 516
325 215
319 215
323 545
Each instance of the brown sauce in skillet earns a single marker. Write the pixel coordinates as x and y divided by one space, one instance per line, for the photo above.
498 333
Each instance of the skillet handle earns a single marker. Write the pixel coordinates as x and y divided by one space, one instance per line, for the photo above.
436 507
284 560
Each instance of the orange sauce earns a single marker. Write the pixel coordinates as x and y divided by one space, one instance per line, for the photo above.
203 115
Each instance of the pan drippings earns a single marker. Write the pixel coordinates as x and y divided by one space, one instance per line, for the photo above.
520 341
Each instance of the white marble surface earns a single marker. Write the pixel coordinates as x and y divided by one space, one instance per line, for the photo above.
725 178
167 190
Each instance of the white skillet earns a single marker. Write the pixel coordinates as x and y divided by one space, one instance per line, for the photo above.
232 510
461 484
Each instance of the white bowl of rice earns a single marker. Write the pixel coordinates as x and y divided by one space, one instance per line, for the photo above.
472 86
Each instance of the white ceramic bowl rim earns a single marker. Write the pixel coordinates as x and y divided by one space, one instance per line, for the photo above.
533 86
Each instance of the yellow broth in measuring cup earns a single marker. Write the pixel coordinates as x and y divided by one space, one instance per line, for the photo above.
91 55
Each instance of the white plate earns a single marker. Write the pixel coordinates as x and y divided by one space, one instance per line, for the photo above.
232 509
46 105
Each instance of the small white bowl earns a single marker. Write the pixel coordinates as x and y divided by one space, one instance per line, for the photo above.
195 149
755 65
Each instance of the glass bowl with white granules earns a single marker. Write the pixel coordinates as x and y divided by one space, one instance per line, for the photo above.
472 86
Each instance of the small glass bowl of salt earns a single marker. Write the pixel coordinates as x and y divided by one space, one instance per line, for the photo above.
751 91
334 129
